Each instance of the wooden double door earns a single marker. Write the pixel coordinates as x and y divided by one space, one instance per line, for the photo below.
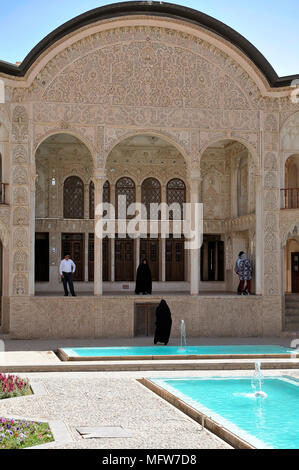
175 259
149 249
124 259
73 243
145 319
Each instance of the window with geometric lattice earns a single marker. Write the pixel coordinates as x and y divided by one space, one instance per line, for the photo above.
150 194
106 196
73 198
124 187
176 194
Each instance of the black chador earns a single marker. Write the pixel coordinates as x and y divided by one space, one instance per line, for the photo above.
163 323
143 279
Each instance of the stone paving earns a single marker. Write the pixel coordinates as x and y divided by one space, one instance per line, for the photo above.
96 400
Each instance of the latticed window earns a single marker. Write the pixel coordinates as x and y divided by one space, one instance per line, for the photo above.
176 194
124 187
106 196
73 198
150 194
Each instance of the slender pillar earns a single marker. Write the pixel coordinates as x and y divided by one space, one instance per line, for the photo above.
259 234
86 246
163 240
195 253
99 181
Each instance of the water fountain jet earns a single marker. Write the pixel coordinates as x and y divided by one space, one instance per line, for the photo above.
257 381
183 337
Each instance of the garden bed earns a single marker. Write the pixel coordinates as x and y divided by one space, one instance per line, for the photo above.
20 434
12 386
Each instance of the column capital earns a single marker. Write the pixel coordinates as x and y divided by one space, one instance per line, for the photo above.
99 174
196 177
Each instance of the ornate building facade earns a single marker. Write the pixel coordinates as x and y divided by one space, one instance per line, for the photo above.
162 104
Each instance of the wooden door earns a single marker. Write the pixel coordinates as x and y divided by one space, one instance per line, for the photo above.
74 244
145 319
105 259
149 249
175 259
295 272
124 259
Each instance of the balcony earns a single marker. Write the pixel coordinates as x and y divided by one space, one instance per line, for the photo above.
3 193
290 198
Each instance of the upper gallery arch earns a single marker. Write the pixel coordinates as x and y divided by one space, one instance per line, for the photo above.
154 10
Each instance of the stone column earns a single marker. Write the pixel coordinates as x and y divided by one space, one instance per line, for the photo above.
99 180
163 240
86 245
112 240
272 307
259 231
195 253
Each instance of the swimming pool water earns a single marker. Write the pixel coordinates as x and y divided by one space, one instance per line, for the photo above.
263 422
176 350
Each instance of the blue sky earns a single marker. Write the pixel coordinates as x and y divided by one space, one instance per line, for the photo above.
271 25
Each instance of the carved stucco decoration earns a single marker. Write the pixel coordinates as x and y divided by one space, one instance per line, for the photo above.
290 134
138 116
5 214
20 261
20 175
132 65
20 124
20 154
20 238
4 118
20 196
4 233
20 284
21 216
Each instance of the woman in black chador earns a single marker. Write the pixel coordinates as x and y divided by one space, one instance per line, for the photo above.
163 323
143 278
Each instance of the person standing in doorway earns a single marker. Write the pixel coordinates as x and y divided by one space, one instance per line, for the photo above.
143 278
66 269
237 271
245 274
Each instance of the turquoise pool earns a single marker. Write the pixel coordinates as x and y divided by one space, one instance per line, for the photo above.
264 422
153 351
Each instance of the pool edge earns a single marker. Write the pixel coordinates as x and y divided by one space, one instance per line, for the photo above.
208 423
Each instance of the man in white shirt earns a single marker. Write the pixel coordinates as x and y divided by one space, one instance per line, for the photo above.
66 269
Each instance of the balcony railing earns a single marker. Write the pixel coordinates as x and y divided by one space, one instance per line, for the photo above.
290 198
3 193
